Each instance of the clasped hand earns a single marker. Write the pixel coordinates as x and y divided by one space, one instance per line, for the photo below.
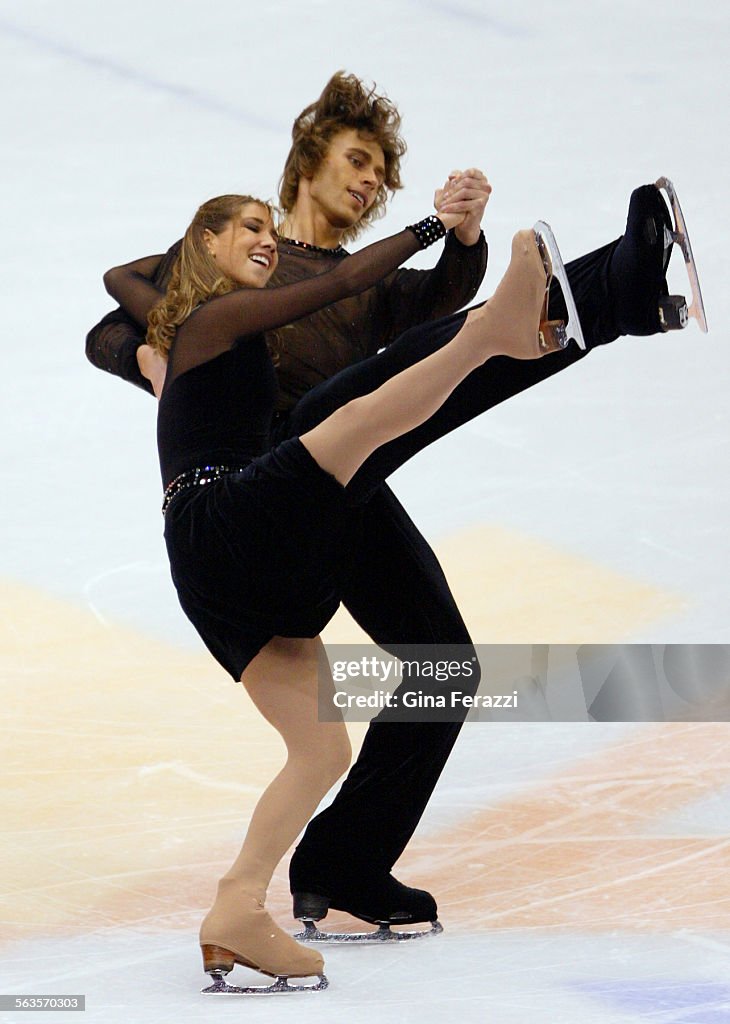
461 202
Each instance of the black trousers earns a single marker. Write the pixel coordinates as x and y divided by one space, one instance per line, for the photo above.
397 592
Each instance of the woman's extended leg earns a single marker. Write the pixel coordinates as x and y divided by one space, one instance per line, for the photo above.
507 324
283 681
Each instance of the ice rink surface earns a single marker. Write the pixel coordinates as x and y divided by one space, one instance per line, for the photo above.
581 870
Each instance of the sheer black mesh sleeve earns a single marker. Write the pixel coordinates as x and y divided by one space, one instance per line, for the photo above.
218 324
412 297
132 286
112 344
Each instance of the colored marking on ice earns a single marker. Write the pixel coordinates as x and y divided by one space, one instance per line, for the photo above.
513 588
579 852
688 1002
93 705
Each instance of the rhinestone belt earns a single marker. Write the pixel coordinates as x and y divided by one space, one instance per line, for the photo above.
197 477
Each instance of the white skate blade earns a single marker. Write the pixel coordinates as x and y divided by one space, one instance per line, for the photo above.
681 237
573 328
312 933
280 987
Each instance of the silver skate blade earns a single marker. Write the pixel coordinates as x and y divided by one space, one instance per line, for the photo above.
384 933
280 987
681 236
573 329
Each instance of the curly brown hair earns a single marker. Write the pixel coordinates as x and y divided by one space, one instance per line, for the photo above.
345 103
195 275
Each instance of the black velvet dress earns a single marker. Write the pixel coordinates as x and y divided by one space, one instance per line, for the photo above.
254 554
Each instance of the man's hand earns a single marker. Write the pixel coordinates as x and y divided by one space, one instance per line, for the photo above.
153 366
465 192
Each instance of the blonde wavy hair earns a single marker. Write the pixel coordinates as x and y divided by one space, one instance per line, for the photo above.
346 102
195 275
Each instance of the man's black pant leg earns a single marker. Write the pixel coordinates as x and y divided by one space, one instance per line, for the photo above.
397 591
489 385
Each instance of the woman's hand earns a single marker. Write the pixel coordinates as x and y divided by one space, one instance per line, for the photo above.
449 220
466 192
153 366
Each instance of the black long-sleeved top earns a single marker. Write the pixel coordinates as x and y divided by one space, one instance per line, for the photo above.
321 344
220 356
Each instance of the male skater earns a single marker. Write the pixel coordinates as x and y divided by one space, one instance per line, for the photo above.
344 160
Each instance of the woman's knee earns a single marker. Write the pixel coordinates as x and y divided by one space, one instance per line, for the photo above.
326 757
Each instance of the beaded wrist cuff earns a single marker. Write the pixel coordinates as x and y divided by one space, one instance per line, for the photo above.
428 231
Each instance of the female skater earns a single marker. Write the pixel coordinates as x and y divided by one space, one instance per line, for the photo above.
254 535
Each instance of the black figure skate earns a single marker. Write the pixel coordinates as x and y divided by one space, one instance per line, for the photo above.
390 903
640 303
